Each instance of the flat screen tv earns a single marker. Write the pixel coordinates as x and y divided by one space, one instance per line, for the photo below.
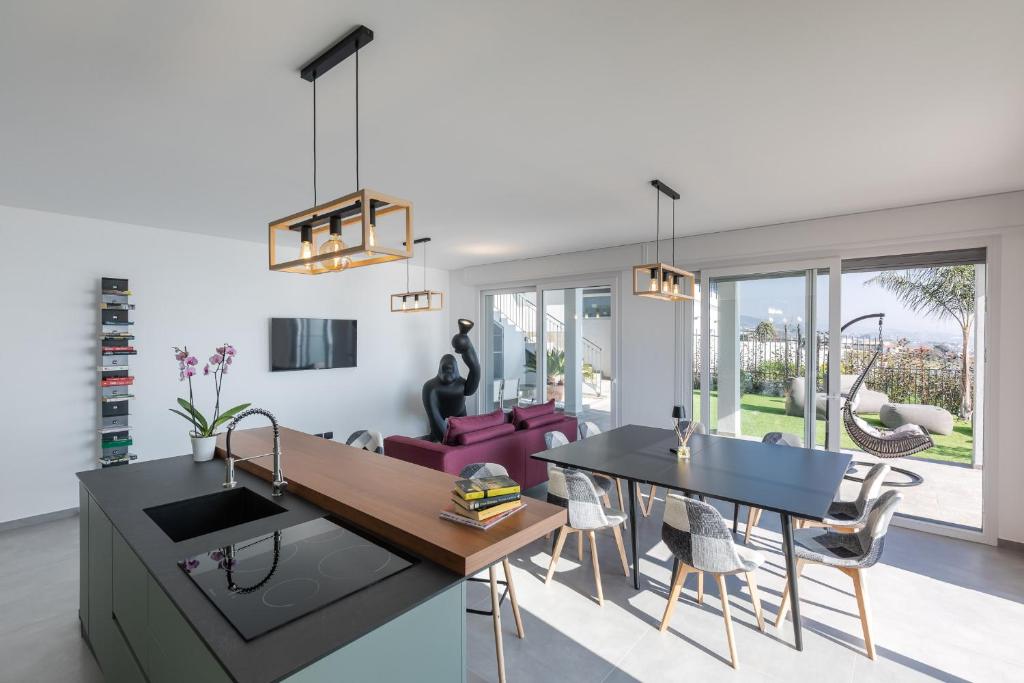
312 344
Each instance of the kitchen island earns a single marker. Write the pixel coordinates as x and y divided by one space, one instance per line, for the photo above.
145 618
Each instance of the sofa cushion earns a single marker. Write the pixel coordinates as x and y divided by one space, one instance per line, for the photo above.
540 421
471 423
523 413
467 438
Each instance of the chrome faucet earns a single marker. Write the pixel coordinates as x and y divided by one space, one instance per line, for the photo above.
229 475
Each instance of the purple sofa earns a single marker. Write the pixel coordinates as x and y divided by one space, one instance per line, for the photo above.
511 450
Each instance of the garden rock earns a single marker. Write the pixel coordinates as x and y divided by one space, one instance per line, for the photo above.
933 418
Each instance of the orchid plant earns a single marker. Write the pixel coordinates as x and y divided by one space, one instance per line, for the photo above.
217 366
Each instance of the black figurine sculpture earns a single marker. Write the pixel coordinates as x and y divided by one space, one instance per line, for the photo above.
445 395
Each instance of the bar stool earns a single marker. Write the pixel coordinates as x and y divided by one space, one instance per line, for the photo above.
478 471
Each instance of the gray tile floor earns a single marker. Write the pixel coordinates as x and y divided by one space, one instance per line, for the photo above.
943 609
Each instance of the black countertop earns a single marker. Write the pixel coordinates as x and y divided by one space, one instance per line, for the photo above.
124 492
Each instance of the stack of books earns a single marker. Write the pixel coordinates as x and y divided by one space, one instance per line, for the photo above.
483 502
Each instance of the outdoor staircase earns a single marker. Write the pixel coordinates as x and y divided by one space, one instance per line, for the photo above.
517 310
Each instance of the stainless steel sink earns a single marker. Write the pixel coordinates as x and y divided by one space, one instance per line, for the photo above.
185 519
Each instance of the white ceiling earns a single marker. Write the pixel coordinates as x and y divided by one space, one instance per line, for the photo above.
517 128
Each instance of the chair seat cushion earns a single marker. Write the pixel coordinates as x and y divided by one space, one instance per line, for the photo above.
843 512
835 549
751 559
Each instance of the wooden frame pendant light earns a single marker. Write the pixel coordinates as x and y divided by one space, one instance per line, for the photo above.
422 301
660 280
325 223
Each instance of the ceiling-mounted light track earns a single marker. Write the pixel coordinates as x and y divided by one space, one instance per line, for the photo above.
660 280
370 242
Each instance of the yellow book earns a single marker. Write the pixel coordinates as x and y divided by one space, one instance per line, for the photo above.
481 515
485 487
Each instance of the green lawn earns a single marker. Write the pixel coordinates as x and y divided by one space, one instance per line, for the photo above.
763 414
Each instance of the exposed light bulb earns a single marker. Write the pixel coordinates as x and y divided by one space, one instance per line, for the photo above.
307 250
405 303
334 244
371 238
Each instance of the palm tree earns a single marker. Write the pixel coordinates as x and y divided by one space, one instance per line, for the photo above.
945 292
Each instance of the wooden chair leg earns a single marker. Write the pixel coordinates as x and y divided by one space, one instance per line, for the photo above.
755 598
579 545
784 605
622 549
597 567
757 517
618 489
650 501
751 516
728 619
606 500
559 542
673 595
640 499
512 598
496 609
860 588
700 588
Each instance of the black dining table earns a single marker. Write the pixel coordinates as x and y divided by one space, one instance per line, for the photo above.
794 482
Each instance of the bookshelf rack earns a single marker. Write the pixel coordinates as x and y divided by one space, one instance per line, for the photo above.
116 382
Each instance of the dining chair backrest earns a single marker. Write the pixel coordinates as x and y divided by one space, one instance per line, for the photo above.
872 536
580 497
589 429
783 439
698 536
479 470
368 440
872 486
698 427
510 390
555 439
497 391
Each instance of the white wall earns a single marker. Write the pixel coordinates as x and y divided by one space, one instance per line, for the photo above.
648 354
189 289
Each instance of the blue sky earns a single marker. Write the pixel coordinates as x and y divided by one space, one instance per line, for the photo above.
784 298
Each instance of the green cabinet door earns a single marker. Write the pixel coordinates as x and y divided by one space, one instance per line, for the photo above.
130 596
105 634
427 643
175 652
83 559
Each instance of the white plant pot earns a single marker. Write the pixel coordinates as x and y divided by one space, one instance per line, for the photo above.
203 447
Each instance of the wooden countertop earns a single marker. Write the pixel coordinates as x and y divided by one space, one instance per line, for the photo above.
396 500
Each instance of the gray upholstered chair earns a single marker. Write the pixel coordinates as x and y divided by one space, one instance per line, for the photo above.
602 482
587 430
586 515
849 552
476 471
701 542
368 440
845 515
645 510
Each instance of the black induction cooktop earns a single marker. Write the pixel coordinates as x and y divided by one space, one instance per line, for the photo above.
262 583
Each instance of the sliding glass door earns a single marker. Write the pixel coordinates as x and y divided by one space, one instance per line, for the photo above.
551 342
766 340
